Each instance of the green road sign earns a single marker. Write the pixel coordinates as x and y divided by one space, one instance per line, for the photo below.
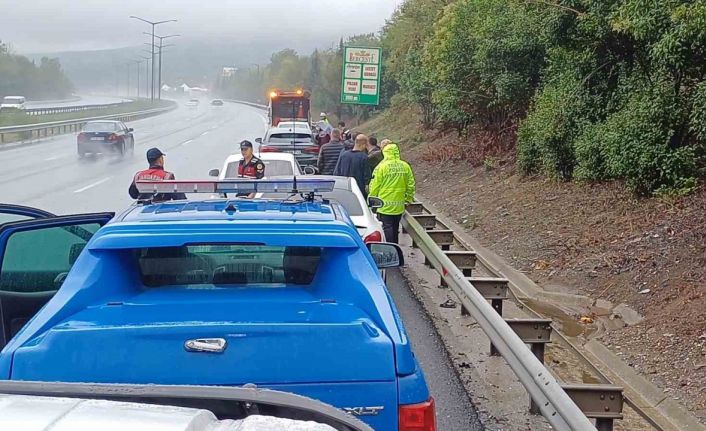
362 67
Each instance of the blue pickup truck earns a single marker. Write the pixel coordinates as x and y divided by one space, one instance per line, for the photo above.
281 294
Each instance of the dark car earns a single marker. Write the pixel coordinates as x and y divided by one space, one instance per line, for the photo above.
296 141
105 137
216 102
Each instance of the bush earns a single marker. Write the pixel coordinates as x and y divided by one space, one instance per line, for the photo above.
545 138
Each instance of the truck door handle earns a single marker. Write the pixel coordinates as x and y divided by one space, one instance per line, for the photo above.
207 345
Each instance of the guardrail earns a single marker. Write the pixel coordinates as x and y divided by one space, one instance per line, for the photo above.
63 109
41 130
566 407
244 102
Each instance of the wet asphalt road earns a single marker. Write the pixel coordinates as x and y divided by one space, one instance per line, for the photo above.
49 175
454 409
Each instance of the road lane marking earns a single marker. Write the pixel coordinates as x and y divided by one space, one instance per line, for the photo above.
90 186
205 133
186 142
49 159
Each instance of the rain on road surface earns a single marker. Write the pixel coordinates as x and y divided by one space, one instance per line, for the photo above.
49 175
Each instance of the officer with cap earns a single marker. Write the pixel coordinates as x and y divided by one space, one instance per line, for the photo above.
249 166
155 172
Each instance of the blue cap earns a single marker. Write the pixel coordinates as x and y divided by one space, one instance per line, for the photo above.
153 154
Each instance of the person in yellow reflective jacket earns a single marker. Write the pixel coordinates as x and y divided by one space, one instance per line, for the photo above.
393 182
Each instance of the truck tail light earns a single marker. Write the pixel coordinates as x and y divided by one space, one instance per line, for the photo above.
373 237
268 149
418 417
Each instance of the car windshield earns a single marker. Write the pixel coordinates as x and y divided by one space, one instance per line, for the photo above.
272 168
100 127
288 137
226 264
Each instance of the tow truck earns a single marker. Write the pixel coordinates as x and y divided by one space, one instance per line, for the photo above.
280 294
289 106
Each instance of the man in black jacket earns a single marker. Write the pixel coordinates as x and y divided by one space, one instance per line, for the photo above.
355 164
155 172
329 153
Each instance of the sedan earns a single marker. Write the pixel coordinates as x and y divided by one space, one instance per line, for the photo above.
105 137
276 164
346 192
296 141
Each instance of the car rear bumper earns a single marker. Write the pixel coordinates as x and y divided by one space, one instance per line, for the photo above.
98 146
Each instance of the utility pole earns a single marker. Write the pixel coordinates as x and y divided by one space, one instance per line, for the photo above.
153 24
147 71
138 63
159 73
128 78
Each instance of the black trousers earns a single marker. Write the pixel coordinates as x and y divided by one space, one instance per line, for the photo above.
391 227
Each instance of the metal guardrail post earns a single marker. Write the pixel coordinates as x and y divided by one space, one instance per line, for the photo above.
555 405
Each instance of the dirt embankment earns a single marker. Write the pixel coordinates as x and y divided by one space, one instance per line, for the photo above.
593 240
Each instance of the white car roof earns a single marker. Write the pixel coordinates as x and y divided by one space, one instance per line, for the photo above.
22 412
285 124
274 130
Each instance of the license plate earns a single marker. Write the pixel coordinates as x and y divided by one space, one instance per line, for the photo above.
296 152
96 139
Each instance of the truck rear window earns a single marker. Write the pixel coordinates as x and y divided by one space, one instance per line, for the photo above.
219 264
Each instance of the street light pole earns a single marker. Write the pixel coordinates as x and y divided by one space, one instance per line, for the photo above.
128 77
138 63
147 70
159 73
153 24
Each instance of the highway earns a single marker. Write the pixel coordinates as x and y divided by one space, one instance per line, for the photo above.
49 175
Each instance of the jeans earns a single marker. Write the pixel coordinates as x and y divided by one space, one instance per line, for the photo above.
391 227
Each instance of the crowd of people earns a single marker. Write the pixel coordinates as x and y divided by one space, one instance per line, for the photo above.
378 170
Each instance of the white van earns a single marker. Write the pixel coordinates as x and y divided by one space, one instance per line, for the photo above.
13 102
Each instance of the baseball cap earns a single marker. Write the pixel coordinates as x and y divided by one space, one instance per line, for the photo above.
323 115
153 154
245 144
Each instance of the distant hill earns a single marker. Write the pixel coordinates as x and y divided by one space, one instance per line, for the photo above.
196 62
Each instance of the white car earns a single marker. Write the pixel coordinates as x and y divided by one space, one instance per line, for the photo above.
192 103
346 192
13 102
294 125
276 164
45 406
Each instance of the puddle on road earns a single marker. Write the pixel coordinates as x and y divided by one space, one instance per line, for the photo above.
566 323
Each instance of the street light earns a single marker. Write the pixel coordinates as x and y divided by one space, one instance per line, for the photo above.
138 63
128 64
153 24
159 80
147 70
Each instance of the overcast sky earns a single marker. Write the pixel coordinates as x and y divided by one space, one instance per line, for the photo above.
67 25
